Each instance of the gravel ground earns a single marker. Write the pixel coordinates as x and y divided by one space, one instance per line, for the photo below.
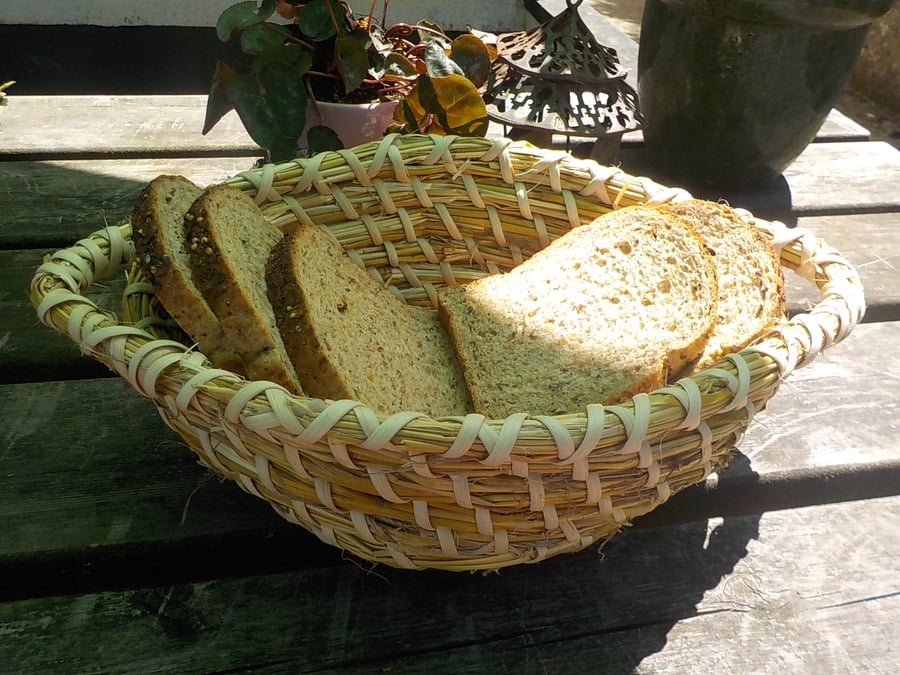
883 124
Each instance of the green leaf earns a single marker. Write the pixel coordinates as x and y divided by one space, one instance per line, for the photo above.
434 33
471 54
236 18
399 66
409 115
315 19
288 54
304 62
272 107
320 138
258 37
218 103
438 63
353 62
266 9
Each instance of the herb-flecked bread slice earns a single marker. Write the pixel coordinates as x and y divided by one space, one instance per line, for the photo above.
159 237
349 337
229 242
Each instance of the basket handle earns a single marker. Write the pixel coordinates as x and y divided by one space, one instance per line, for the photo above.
58 293
841 306
66 276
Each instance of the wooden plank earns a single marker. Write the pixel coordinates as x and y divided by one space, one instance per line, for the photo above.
41 127
96 455
110 126
871 242
788 609
119 126
29 351
867 172
96 491
54 203
827 178
93 455
781 609
806 590
824 414
819 439
838 127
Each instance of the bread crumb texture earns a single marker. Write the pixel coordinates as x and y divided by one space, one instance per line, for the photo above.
750 280
159 236
349 337
229 242
604 312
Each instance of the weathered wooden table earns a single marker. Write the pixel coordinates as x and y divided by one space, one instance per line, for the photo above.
119 554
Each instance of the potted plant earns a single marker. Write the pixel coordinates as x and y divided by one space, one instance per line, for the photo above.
733 90
301 56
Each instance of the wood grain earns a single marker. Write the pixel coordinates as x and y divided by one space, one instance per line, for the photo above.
29 351
53 203
760 593
171 125
97 492
111 126
871 243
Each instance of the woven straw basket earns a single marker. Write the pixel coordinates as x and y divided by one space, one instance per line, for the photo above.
457 493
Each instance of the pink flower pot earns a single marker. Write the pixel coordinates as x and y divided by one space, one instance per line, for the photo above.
354 123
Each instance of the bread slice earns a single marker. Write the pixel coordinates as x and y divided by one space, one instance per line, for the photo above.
229 242
158 231
351 338
604 312
751 284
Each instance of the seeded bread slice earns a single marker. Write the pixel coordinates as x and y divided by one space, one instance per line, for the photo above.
351 338
229 242
604 312
158 232
751 284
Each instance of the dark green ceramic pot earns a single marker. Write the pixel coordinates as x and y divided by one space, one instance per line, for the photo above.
733 90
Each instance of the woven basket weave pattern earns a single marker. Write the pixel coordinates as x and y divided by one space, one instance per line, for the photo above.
453 493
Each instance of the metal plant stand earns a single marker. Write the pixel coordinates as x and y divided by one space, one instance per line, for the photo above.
556 79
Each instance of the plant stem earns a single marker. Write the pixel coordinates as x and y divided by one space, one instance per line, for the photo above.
337 28
288 36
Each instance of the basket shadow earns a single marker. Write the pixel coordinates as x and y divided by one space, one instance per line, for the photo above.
611 610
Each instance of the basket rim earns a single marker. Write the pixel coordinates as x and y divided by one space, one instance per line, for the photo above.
174 375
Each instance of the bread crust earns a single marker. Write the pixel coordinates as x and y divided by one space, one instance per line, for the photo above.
751 283
229 240
158 232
